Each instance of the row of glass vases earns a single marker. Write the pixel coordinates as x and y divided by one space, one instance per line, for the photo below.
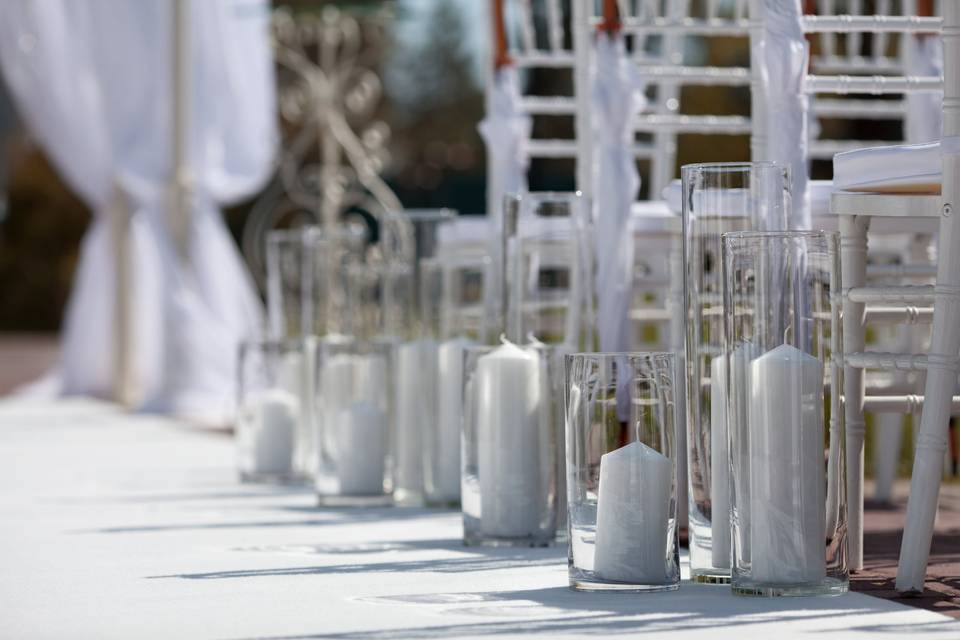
762 505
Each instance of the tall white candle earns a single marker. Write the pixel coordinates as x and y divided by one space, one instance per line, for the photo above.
290 372
267 435
362 440
787 494
370 379
337 391
508 424
633 506
719 446
719 469
414 389
296 375
446 463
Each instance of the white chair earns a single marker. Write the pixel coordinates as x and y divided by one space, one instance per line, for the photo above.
845 76
885 56
662 66
856 210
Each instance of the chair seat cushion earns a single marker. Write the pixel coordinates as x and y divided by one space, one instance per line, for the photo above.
907 168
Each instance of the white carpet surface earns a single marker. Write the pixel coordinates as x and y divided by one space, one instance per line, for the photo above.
118 526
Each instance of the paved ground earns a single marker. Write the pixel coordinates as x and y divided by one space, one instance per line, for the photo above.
24 357
883 525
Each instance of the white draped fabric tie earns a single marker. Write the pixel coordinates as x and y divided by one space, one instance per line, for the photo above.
783 55
91 80
505 130
617 96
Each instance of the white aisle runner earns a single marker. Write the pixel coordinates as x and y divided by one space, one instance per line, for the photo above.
120 526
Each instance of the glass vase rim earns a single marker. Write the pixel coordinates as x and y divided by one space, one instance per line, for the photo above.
785 233
314 233
647 355
731 166
576 194
428 214
278 343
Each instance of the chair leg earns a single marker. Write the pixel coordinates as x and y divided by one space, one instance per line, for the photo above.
945 345
931 442
888 429
853 261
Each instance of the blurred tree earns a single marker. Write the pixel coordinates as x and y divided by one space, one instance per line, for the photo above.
39 243
435 104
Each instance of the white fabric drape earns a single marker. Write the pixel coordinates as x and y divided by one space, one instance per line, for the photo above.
92 79
616 98
506 131
923 57
783 52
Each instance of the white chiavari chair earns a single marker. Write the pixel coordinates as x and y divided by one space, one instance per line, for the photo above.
893 49
846 77
857 213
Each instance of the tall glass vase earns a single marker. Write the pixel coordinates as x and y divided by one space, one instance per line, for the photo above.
782 374
548 280
717 198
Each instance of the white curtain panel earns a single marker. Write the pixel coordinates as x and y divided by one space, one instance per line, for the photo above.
92 79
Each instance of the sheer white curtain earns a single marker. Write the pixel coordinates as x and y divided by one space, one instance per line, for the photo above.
92 80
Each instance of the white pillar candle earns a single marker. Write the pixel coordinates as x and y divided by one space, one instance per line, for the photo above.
719 446
719 466
446 463
290 372
414 389
633 506
295 374
370 379
362 441
787 494
508 425
267 437
337 391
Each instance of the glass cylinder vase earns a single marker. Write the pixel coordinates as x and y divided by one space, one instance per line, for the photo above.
622 453
548 283
782 375
510 447
547 253
448 329
286 254
272 427
717 198
306 285
354 433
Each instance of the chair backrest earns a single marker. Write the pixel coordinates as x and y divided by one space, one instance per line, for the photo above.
667 40
878 51
858 62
